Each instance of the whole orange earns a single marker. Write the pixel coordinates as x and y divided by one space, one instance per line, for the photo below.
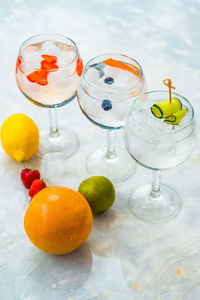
58 220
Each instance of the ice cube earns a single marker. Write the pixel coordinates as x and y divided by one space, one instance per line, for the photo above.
118 113
66 57
31 53
50 48
31 59
165 146
92 75
31 89
59 76
62 80
99 67
125 80
91 106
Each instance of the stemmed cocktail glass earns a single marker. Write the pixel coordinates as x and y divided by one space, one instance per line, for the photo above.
159 144
48 71
108 86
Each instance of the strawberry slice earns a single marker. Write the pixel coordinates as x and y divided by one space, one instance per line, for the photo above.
36 186
48 66
28 176
39 77
18 63
49 58
79 66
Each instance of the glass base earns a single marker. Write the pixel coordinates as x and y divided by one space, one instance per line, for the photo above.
163 209
66 143
116 169
57 170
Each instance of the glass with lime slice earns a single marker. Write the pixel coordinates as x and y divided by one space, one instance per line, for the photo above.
159 135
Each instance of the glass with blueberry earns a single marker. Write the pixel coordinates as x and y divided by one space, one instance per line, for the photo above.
108 86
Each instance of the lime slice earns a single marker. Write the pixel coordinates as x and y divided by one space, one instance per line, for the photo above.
164 108
176 117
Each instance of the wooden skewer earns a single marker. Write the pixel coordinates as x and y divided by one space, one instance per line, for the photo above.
168 83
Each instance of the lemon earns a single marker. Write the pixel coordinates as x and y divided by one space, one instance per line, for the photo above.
99 192
19 137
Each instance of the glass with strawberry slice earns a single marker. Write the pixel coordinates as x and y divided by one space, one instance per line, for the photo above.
48 71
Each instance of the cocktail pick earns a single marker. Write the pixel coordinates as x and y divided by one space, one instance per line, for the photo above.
168 83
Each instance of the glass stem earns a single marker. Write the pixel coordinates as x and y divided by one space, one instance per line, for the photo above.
155 189
110 154
53 123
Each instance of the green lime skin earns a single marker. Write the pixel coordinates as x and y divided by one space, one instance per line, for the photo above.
99 192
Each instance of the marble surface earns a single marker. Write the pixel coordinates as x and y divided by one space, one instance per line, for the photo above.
124 258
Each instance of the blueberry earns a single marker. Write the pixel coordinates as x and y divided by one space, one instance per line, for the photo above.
107 104
109 80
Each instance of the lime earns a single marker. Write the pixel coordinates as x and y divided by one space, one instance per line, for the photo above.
99 192
19 137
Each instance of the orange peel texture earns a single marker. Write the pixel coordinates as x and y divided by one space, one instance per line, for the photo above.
58 220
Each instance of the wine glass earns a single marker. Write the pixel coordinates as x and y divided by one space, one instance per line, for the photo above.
108 86
48 71
158 145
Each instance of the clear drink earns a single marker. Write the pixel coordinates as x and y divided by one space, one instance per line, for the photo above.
107 89
155 144
159 135
107 92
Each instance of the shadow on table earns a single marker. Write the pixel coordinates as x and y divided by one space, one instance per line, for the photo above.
104 240
55 274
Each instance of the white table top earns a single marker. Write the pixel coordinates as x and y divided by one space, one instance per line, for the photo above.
124 258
